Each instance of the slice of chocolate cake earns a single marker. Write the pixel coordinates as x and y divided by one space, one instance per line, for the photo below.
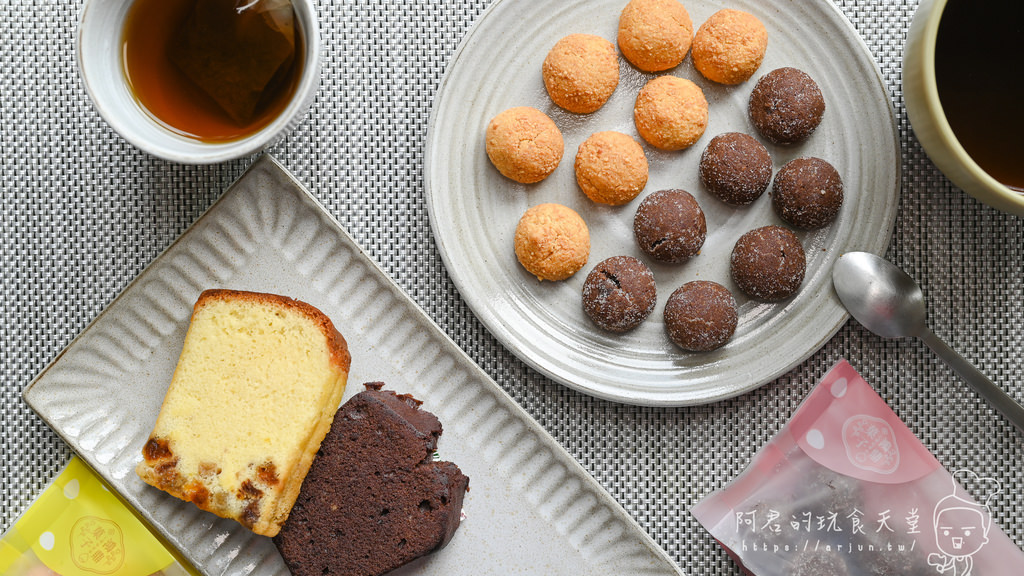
374 498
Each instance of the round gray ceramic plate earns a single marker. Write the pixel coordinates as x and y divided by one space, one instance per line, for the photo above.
474 210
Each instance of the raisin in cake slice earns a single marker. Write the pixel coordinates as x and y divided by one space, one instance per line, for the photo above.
256 387
374 499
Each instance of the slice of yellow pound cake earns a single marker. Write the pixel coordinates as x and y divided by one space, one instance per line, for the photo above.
255 390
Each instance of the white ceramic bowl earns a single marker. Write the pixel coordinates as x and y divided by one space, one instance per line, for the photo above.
98 50
929 121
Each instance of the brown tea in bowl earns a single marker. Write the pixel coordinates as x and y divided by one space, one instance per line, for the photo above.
978 74
213 70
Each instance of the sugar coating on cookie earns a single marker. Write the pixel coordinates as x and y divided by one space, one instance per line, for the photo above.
670 226
735 168
729 46
524 144
807 193
768 263
671 113
619 293
552 241
786 106
611 168
701 316
655 35
581 71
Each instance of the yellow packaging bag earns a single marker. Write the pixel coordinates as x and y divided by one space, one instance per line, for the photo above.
78 528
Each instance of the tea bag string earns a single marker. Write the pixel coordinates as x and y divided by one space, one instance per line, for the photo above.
268 5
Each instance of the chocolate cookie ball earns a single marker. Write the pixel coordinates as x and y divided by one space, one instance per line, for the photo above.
786 106
611 168
619 293
655 35
671 113
729 46
701 316
581 72
670 226
768 263
735 168
524 144
807 193
552 241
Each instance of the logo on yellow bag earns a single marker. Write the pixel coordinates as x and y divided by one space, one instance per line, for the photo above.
97 545
77 527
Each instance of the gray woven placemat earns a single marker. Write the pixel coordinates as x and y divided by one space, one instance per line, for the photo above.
83 213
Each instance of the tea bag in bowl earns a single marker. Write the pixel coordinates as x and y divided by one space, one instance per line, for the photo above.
236 51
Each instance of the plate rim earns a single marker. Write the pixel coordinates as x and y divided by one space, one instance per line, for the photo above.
878 246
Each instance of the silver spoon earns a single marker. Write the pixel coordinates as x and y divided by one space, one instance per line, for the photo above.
889 303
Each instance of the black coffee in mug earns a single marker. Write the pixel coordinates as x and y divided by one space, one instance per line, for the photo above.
979 72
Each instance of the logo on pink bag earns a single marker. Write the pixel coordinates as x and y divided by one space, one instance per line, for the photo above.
871 444
961 527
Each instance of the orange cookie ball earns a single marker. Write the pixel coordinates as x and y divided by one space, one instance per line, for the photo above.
671 113
552 241
729 47
580 72
655 35
611 168
524 144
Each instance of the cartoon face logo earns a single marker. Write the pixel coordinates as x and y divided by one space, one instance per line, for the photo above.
961 530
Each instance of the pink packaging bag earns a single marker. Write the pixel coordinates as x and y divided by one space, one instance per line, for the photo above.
846 489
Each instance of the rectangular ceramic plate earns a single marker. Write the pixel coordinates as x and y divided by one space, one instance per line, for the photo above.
531 508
